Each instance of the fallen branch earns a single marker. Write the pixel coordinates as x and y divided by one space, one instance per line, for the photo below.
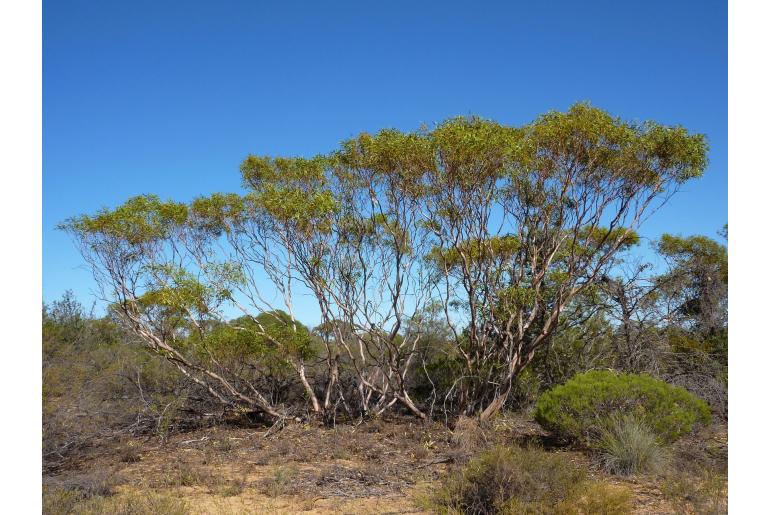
194 441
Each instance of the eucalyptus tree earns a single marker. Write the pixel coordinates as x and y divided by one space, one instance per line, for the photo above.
149 259
351 236
696 281
502 227
526 219
693 297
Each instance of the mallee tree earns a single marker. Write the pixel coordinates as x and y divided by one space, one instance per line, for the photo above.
498 229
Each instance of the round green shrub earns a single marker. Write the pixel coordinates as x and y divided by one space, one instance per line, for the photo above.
580 408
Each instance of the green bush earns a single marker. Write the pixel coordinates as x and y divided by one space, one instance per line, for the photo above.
627 446
578 409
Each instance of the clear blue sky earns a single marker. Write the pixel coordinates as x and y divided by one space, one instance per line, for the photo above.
168 97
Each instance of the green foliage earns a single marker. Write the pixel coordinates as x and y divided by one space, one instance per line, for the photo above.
63 321
292 191
525 390
697 280
399 159
218 212
260 170
695 251
473 151
497 248
181 292
139 220
601 144
574 350
511 299
512 480
597 237
177 289
627 447
293 337
307 211
269 338
578 408
713 344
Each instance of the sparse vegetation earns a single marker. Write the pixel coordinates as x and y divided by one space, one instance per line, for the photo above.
704 493
511 480
67 502
281 481
599 498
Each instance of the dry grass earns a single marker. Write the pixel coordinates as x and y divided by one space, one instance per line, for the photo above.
281 481
703 494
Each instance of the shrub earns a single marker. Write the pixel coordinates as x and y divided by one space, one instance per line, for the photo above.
627 446
509 480
577 409
91 368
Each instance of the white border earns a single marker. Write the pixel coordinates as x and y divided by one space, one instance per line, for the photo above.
20 257
20 261
748 199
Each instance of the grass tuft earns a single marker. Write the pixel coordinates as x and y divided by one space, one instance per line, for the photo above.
627 446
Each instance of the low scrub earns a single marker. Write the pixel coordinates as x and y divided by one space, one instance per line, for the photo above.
597 498
704 493
512 480
578 409
281 481
61 501
627 446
